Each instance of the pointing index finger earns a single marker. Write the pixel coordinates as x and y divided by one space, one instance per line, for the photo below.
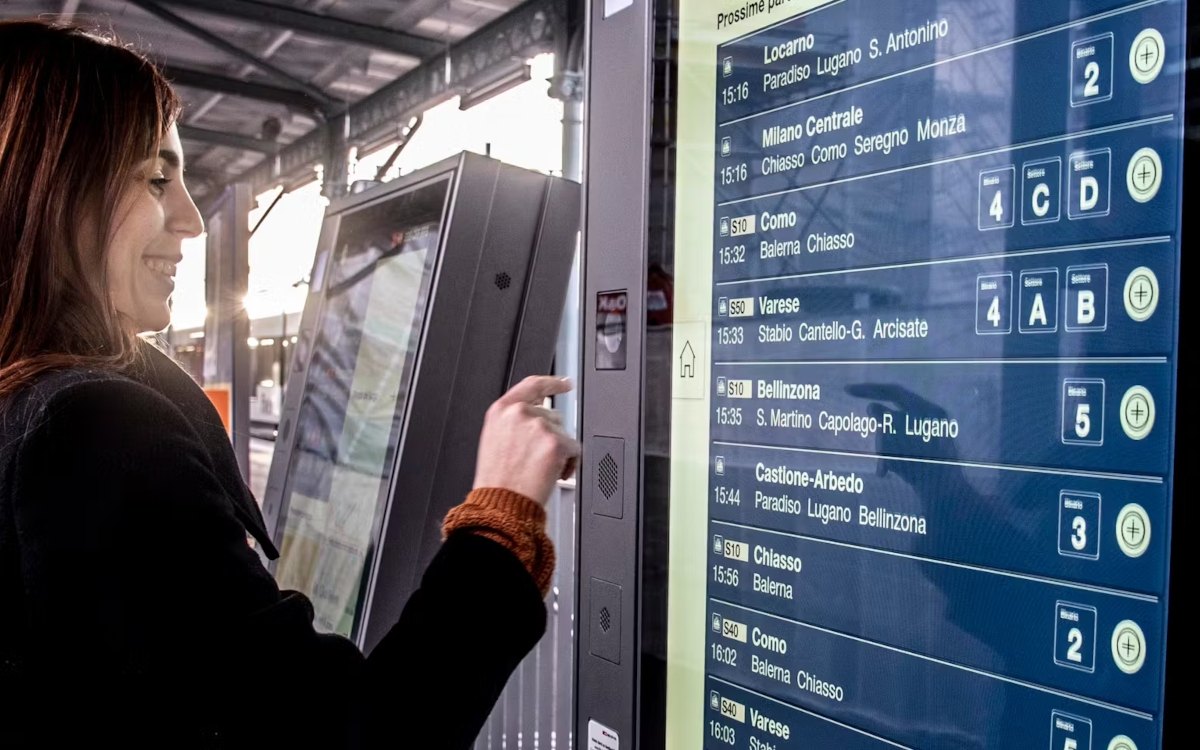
535 389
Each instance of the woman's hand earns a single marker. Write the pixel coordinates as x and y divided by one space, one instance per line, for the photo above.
523 447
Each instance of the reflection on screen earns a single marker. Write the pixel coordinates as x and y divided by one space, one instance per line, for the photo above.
349 422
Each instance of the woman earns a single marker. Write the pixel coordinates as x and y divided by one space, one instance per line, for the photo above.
131 606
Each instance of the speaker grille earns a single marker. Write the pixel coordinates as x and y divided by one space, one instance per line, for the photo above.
606 477
605 619
503 280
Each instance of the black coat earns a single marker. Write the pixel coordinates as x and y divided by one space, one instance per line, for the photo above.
133 609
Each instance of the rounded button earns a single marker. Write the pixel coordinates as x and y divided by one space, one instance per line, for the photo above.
1141 294
1137 412
1133 530
1146 56
1144 175
1128 647
1121 742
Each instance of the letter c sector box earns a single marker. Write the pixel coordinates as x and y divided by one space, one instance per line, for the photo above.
430 296
992 356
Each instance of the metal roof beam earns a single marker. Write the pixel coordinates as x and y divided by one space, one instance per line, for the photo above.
232 140
501 46
150 6
317 25
263 92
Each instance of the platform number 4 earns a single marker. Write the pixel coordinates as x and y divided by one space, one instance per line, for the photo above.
997 209
996 187
993 313
993 303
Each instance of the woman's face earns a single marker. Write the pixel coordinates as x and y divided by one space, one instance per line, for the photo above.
154 218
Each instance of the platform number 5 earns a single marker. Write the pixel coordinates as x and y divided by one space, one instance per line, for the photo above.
1083 422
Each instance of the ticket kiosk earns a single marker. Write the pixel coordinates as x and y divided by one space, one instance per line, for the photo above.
429 297
922 376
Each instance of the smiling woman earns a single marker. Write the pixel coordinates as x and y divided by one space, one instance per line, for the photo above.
130 601
81 173
155 217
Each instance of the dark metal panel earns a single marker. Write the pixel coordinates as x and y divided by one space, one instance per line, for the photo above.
430 404
564 625
615 232
263 92
545 296
316 25
489 304
221 138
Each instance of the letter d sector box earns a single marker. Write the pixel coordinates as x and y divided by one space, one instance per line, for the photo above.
429 297
916 483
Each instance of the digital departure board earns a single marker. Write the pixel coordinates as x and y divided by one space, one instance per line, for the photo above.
349 421
925 355
430 296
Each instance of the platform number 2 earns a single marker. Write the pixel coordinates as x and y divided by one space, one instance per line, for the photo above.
1075 638
1092 74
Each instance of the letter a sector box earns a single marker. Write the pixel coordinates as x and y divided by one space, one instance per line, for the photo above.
429 297
900 468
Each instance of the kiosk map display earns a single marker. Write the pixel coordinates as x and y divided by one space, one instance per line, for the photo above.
935 244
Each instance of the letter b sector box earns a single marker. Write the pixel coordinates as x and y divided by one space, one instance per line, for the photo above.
429 297
944 442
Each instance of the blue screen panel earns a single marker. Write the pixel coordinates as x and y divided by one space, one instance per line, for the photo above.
944 353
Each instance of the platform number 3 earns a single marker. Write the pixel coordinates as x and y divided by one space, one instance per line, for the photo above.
1079 538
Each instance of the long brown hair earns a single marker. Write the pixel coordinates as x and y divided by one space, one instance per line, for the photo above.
79 113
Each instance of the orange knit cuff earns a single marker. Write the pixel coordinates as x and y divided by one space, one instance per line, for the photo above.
511 520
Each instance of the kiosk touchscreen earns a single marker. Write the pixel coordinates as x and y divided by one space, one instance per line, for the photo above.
922 374
429 296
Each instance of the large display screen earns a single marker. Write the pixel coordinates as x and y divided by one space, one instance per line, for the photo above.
927 260
350 419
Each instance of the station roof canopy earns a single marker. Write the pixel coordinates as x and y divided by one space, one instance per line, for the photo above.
265 81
